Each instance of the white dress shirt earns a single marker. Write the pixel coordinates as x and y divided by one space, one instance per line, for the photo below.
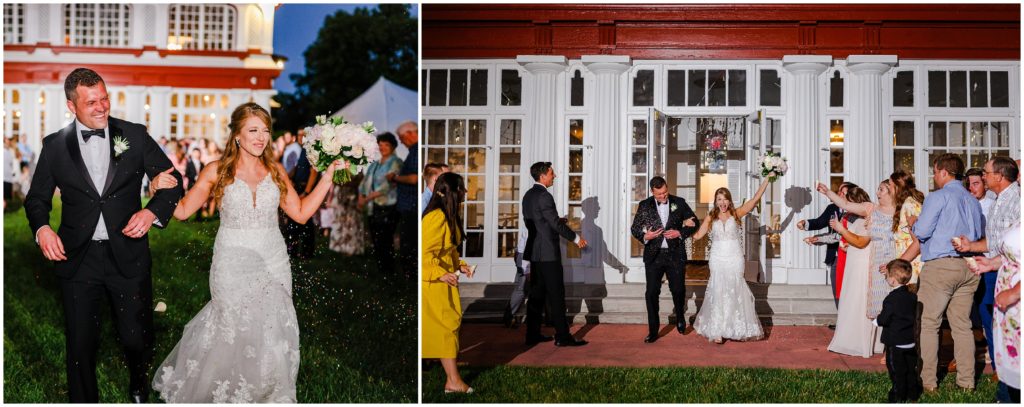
96 155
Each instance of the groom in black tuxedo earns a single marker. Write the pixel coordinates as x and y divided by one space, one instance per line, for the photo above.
662 223
542 251
101 249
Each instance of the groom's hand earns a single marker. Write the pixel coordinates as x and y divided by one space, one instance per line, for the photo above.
672 234
50 244
139 224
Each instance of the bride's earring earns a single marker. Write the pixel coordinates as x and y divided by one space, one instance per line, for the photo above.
237 144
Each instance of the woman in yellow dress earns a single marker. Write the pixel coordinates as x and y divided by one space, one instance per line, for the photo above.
441 308
908 206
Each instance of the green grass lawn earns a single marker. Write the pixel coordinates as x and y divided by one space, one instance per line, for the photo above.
358 331
515 384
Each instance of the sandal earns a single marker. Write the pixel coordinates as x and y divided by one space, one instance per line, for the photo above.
467 390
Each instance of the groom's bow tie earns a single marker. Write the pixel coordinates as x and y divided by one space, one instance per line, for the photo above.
89 133
661 203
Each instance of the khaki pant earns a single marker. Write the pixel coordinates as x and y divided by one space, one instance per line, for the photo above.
947 287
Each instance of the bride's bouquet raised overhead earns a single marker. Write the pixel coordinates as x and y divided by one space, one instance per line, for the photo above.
773 166
332 139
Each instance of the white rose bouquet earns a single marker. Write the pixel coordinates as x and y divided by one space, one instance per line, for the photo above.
773 166
335 139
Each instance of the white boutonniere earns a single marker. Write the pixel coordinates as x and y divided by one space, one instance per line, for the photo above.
120 146
672 208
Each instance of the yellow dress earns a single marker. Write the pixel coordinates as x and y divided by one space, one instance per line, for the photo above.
441 310
903 239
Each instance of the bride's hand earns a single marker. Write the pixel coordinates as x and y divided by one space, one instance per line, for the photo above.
164 180
822 188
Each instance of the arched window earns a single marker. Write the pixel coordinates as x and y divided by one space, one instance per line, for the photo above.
97 25
14 23
201 27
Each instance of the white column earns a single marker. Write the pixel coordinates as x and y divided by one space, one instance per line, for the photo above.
160 112
609 147
867 151
56 107
30 116
135 100
801 144
540 94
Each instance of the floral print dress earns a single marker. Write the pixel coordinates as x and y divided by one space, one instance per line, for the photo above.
1006 325
903 237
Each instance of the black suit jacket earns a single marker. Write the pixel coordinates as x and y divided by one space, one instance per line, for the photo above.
647 217
899 311
61 166
821 222
192 171
543 226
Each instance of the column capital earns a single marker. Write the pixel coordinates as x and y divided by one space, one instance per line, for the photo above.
607 64
536 64
871 64
160 90
806 64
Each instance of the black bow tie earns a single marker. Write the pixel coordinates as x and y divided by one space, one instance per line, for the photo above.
90 133
662 203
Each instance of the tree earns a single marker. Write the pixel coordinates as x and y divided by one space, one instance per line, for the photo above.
350 53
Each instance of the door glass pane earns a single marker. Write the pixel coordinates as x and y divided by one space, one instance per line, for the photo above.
936 88
958 89
836 161
435 155
438 86
478 132
836 90
507 243
639 160
435 132
771 88
459 87
903 89
478 87
643 88
576 89
903 134
575 132
978 159
575 160
903 159
938 132
457 160
676 88
575 188
511 87
977 135
423 87
716 88
509 218
457 132
1001 134
737 87
477 160
979 89
640 133
475 189
1000 88
508 187
509 160
957 134
511 132
474 244
640 187
696 86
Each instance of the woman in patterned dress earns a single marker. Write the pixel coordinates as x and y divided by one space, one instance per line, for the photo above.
1006 313
348 233
908 206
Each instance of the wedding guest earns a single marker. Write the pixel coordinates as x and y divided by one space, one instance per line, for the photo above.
430 173
974 181
855 334
301 237
1000 176
24 180
278 145
162 142
176 154
897 319
821 222
521 289
10 164
946 285
407 205
378 196
1006 314
27 156
908 206
292 150
441 310
348 228
193 166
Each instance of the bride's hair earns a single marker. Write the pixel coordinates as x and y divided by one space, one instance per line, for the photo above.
449 193
724 192
229 159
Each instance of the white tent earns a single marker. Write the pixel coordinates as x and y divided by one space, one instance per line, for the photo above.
385 104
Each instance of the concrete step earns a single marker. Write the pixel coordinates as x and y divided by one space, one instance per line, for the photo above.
624 303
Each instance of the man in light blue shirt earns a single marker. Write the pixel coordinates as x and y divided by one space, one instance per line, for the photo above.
947 285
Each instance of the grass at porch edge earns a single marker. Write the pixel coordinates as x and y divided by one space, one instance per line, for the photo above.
517 384
357 330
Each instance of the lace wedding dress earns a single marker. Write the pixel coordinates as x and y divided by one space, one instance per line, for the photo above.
728 308
243 346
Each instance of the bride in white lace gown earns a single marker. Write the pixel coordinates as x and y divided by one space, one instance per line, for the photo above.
243 346
728 308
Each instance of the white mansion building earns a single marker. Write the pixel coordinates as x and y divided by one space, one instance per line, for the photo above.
178 68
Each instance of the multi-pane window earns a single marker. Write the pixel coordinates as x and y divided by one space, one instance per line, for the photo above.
974 141
972 89
575 190
509 157
456 87
637 175
462 144
199 115
97 25
201 27
14 23
700 87
903 146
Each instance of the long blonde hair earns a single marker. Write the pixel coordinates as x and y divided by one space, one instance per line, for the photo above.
731 210
229 160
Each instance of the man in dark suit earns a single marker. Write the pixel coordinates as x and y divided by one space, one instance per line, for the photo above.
662 223
831 248
545 257
193 166
101 249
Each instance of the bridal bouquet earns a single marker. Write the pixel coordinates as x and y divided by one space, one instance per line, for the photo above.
773 166
335 139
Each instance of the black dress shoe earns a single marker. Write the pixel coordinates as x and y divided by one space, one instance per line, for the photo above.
138 397
651 338
570 342
681 327
533 340
506 319
832 326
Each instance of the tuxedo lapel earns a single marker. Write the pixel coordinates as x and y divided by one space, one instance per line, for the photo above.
71 139
115 131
